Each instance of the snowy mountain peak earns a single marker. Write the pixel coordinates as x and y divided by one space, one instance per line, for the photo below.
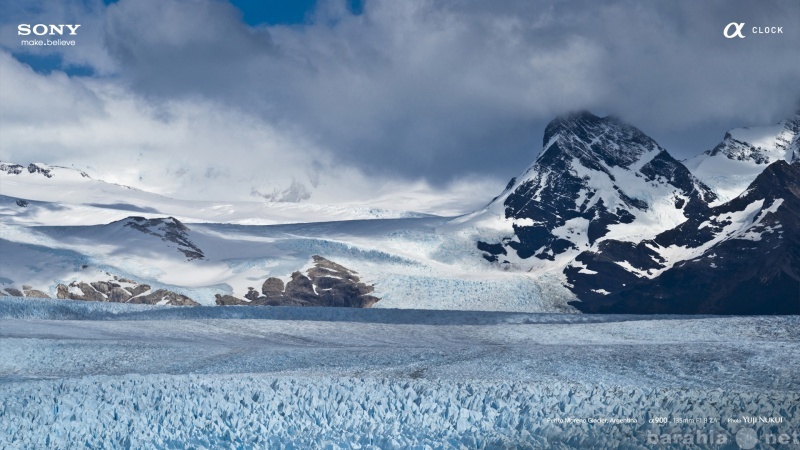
761 145
743 153
597 141
737 258
170 230
780 178
792 126
596 178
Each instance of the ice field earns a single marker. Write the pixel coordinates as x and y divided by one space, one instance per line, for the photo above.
92 375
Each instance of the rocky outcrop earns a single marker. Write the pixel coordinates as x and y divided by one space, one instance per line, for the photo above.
170 230
121 290
41 169
14 292
118 290
27 291
164 297
11 169
325 284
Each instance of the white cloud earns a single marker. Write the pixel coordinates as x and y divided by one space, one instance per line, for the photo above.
192 148
410 95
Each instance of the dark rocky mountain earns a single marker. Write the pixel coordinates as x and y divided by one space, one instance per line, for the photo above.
593 173
168 230
325 284
742 257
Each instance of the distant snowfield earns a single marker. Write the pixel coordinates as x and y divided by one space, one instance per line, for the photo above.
70 197
112 375
411 264
65 228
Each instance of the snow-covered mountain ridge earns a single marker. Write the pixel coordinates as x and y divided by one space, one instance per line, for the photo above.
744 153
622 219
84 200
602 211
596 178
742 257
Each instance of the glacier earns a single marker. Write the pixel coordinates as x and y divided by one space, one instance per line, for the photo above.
101 375
277 412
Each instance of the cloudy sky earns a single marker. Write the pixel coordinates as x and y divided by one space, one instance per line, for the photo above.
353 101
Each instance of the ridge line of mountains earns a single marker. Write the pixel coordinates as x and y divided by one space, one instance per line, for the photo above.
636 231
604 212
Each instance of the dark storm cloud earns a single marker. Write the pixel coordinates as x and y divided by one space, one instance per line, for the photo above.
441 89
173 48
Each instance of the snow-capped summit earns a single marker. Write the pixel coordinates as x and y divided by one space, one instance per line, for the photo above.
596 178
744 153
593 139
739 258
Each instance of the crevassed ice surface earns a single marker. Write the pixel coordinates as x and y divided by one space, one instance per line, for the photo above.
114 376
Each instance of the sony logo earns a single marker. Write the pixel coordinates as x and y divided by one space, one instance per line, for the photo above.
41 29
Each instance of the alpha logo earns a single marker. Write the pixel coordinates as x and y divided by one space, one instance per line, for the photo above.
737 30
41 29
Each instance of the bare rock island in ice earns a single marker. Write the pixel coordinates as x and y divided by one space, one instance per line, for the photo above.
324 284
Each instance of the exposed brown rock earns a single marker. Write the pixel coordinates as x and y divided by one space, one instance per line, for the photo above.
14 292
325 284
159 295
35 293
109 291
252 294
300 288
100 286
90 293
272 286
229 300
138 289
119 295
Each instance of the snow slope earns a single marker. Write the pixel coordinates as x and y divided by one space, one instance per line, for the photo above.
411 263
597 180
62 227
